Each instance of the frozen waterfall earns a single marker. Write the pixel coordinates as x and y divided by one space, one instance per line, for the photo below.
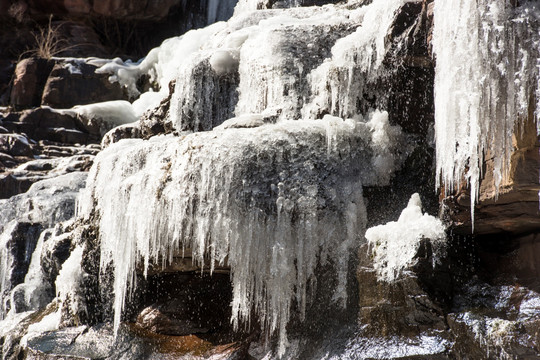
487 77
270 197
271 202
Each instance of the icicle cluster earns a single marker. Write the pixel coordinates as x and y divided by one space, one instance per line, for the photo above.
487 55
339 84
272 202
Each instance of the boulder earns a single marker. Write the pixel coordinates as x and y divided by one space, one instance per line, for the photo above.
15 145
11 185
496 322
75 82
402 307
29 80
48 124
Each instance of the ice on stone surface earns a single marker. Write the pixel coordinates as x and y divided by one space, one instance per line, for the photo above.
338 84
487 56
272 201
45 204
395 244
69 282
34 293
161 64
116 112
264 61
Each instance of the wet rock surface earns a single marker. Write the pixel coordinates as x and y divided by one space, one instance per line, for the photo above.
481 300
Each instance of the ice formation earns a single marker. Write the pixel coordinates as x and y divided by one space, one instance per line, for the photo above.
487 55
217 71
271 202
26 216
395 244
338 85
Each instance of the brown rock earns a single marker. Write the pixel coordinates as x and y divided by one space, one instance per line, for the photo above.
137 9
128 131
401 307
78 7
47 124
15 145
73 83
78 40
514 208
11 185
159 319
30 77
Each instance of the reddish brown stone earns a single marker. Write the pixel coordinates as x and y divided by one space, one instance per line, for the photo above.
138 9
29 80
514 208
73 83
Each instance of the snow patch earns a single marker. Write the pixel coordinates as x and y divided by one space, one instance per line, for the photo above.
395 244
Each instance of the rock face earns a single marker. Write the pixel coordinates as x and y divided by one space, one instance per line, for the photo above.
220 179
30 77
61 84
514 207
73 83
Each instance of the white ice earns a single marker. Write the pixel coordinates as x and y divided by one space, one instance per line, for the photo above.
272 202
487 57
395 244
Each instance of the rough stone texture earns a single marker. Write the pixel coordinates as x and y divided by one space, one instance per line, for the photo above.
73 83
78 39
17 174
22 242
515 210
11 185
400 308
47 124
15 145
6 72
496 322
98 342
29 79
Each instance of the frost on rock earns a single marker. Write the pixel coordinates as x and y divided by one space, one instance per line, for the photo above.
289 63
47 202
22 219
339 84
395 244
272 202
487 55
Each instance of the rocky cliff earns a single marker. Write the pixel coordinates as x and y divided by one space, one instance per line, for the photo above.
304 180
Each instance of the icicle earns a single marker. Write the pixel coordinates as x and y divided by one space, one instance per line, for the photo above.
487 57
272 201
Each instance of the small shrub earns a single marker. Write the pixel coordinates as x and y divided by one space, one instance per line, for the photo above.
49 42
